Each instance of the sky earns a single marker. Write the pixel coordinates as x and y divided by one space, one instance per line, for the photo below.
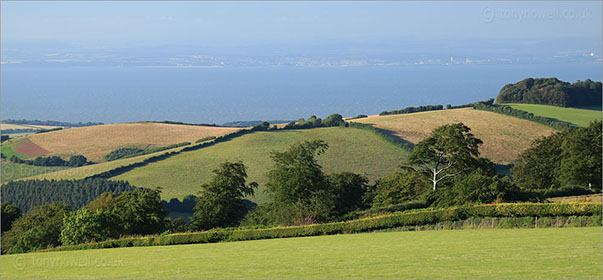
127 24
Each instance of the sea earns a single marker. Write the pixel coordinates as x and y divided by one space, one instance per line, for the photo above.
219 95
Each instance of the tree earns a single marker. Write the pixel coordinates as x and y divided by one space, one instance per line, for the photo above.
220 202
139 211
9 214
77 160
399 187
333 120
449 151
348 189
297 184
581 157
85 226
474 187
38 229
535 167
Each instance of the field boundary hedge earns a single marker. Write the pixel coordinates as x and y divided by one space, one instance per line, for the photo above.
414 218
509 111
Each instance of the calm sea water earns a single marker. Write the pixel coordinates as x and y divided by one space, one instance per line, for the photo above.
217 95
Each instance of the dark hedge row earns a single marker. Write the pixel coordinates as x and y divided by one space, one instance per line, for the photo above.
408 110
414 218
506 110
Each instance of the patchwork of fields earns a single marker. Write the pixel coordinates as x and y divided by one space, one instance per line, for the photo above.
580 117
504 137
350 149
94 142
473 254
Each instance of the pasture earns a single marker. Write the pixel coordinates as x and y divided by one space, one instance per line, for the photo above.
350 149
551 253
13 171
94 142
504 137
579 117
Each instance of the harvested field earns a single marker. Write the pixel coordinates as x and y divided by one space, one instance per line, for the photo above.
504 137
94 142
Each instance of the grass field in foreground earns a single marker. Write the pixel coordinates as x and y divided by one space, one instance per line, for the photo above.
504 137
13 171
552 253
350 149
580 117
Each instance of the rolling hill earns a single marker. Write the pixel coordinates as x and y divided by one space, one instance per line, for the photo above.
504 137
444 254
577 116
350 149
94 142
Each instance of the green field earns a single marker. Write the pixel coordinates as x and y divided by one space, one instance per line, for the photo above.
13 171
350 149
580 117
8 152
552 253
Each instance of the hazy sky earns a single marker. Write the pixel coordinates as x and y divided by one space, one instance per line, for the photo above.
120 24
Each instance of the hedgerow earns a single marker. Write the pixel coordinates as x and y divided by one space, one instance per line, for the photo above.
590 212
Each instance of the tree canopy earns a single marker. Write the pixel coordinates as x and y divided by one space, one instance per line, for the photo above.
450 150
551 91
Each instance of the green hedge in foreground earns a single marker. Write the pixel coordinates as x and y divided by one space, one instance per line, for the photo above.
404 219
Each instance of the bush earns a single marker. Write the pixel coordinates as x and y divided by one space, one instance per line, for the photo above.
509 111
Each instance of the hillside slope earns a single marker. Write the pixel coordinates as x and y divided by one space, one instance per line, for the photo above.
504 137
579 117
350 149
94 142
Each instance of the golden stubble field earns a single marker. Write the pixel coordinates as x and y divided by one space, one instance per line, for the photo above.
94 142
504 137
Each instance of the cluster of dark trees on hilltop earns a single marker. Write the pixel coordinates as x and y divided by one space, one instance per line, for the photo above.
551 91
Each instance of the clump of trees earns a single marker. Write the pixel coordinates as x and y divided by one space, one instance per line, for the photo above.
136 212
568 158
313 121
74 161
300 192
551 91
220 202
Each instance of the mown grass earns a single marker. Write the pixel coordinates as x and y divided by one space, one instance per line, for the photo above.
580 117
12 171
350 149
552 253
504 137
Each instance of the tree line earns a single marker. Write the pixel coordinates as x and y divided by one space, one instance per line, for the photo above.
552 91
